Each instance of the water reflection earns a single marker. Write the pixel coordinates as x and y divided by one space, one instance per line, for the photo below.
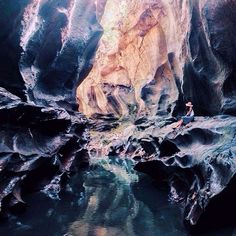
118 202
107 199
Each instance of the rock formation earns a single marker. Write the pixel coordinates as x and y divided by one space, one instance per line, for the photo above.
139 60
152 57
46 49
155 54
197 162
39 148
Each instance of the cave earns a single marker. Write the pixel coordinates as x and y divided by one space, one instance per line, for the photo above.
94 96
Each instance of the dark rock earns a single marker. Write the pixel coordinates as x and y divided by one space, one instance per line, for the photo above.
39 145
45 54
47 49
210 71
10 23
104 123
108 117
58 53
218 214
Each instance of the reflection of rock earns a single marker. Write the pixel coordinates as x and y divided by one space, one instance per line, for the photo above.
102 212
197 162
37 144
154 54
115 203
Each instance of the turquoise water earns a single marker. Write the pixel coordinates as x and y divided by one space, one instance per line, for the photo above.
107 199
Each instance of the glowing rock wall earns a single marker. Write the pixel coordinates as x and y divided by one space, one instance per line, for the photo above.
155 55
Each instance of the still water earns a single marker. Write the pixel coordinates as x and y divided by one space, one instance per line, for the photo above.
109 198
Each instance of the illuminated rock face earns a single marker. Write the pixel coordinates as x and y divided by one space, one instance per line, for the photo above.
153 55
139 59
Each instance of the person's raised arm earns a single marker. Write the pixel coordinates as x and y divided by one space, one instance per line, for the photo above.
189 111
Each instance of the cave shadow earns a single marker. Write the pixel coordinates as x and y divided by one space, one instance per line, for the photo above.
218 219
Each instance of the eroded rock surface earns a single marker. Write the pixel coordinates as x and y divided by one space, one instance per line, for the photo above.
46 49
39 148
132 72
152 57
155 54
197 162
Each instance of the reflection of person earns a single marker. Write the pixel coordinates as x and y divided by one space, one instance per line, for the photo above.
188 117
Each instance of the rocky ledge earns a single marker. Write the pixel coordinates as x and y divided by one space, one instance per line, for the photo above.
198 161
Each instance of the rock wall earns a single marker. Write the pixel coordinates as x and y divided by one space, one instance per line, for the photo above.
209 76
46 49
39 148
154 55
58 40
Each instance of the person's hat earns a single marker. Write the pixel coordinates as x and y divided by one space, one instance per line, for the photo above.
188 104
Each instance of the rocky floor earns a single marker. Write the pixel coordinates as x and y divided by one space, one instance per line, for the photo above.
197 161
41 147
